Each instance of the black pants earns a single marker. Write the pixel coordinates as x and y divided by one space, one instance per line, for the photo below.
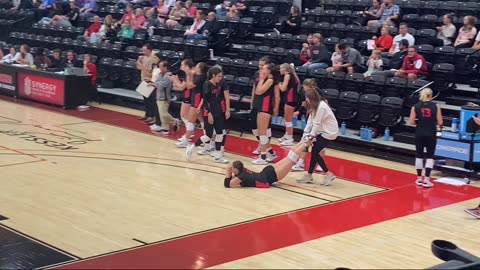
218 125
286 28
151 109
422 142
317 147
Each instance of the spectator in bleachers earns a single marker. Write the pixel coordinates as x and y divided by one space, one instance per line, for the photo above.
162 11
170 4
414 66
445 33
198 23
107 31
318 54
396 61
388 14
241 7
24 57
223 8
41 60
402 34
127 32
352 60
91 34
374 63
151 21
9 58
336 57
58 62
304 53
139 20
21 4
476 45
71 59
176 14
385 41
88 9
44 9
128 16
293 23
68 19
208 30
467 33
232 13
370 13
191 13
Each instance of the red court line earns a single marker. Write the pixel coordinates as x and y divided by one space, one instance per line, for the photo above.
20 163
237 242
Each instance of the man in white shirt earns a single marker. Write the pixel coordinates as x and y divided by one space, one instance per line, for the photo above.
402 34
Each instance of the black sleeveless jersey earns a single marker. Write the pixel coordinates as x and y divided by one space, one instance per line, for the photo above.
426 119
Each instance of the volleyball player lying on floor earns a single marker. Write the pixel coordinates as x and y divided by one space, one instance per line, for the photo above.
236 175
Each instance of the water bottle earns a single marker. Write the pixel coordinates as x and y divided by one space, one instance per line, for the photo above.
275 120
387 134
454 124
362 133
304 122
369 135
344 128
294 122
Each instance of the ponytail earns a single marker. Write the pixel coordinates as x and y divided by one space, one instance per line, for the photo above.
426 95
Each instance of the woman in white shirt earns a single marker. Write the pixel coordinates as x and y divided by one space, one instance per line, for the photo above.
24 57
322 127
446 32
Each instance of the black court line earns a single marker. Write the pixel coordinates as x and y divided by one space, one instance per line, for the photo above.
79 123
140 241
305 194
10 120
3 218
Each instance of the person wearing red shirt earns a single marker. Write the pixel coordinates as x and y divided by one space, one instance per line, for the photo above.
128 16
90 69
414 65
93 29
385 41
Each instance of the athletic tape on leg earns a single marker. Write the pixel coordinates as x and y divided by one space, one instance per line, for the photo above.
288 124
419 163
219 138
293 156
205 139
190 126
255 132
269 132
429 163
263 140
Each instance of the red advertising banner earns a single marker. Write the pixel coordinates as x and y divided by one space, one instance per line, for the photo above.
41 89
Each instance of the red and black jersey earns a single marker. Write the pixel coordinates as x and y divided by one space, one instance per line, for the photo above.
197 91
214 97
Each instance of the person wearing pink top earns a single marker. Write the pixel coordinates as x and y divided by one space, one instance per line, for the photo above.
139 20
162 11
191 13
128 16
467 33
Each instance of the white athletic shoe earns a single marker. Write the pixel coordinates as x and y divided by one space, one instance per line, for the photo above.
257 151
259 161
427 184
189 151
203 151
419 182
329 177
182 144
219 158
306 179
271 157
283 138
155 127
287 142
298 168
